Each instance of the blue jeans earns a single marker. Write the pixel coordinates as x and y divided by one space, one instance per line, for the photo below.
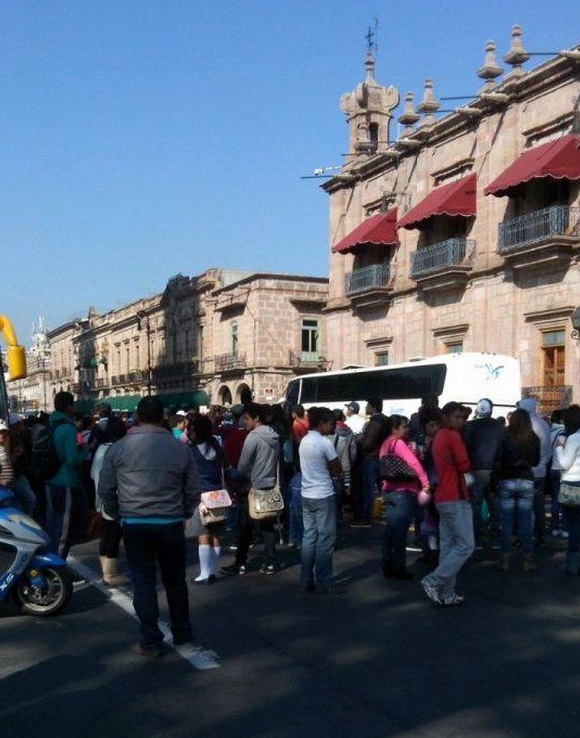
147 545
456 544
371 484
555 509
477 494
401 507
296 532
25 497
66 517
572 522
319 517
517 503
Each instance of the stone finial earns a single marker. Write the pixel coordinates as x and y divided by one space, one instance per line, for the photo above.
428 105
490 69
409 117
517 55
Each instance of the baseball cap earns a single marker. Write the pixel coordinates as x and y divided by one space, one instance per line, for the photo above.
3 426
451 407
484 408
181 413
354 406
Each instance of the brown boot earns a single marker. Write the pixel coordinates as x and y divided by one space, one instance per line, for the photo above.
111 578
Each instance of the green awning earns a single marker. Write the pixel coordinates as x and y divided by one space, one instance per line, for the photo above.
184 400
125 403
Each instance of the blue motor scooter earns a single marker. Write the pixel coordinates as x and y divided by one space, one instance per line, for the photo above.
38 580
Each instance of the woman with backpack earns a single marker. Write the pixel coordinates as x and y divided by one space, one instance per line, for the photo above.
209 460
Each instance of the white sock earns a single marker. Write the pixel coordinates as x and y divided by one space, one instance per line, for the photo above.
214 557
205 552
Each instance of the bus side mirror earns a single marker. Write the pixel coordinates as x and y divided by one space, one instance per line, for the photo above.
16 360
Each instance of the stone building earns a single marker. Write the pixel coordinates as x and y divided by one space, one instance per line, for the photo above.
464 232
221 337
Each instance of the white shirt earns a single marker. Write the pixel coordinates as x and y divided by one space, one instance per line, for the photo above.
355 423
315 453
569 458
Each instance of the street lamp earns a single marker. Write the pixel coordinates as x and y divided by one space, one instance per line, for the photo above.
143 322
575 318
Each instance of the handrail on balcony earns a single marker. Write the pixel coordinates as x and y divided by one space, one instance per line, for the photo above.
555 220
452 252
229 361
364 278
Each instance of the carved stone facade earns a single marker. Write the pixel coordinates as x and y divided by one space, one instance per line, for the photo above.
221 337
472 271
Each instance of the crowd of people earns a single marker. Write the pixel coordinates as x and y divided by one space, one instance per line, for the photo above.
144 480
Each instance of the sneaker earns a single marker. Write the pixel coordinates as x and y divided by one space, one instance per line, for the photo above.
150 652
431 593
563 534
556 533
453 599
232 569
267 569
242 569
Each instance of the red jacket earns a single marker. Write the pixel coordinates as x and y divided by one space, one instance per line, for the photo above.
451 463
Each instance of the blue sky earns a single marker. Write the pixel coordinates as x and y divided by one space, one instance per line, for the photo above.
143 138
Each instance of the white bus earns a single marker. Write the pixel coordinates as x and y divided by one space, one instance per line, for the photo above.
463 377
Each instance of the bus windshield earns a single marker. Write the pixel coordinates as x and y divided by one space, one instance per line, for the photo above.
406 383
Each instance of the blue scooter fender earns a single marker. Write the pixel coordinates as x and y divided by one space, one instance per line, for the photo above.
46 559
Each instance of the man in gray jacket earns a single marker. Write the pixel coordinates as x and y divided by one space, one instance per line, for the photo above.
258 464
149 481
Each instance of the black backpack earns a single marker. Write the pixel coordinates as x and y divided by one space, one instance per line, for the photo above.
45 461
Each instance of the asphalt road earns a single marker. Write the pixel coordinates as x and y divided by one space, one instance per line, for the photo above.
375 660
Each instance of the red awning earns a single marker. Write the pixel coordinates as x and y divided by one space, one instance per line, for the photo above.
456 199
378 229
558 159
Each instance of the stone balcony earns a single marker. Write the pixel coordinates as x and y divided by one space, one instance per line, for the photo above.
443 265
543 238
370 285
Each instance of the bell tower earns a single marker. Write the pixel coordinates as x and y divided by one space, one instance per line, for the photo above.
368 111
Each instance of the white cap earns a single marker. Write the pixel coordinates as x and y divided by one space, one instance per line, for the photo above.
3 426
181 413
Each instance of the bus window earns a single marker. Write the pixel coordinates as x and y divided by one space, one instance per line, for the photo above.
292 393
408 383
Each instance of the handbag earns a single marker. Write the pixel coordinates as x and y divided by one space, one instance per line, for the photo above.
393 468
569 494
265 503
216 503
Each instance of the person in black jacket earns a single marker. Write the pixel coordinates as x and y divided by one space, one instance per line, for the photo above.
370 442
482 436
517 454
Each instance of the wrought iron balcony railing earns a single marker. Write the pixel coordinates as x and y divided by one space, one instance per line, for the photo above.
223 362
556 220
360 280
437 256
549 397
